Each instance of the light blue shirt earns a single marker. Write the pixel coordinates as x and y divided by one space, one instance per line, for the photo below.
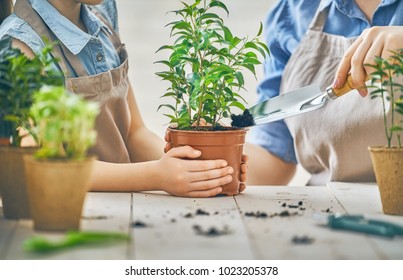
94 49
285 26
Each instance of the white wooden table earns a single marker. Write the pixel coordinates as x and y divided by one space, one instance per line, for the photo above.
174 230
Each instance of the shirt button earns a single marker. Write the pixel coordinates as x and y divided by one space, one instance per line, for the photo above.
100 57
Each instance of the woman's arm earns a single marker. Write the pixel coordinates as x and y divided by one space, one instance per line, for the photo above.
266 169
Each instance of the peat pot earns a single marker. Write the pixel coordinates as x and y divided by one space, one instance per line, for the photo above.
225 144
12 182
56 191
388 168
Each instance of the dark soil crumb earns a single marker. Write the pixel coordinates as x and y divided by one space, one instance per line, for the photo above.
202 212
300 203
243 120
188 215
257 214
95 217
293 206
173 220
216 213
327 210
304 240
139 224
284 205
211 232
285 213
302 208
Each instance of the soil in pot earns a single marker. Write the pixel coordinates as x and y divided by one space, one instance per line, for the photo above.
56 191
223 144
12 182
388 168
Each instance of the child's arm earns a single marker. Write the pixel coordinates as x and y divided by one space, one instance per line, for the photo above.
155 170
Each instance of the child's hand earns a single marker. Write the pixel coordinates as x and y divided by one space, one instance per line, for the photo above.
192 178
244 167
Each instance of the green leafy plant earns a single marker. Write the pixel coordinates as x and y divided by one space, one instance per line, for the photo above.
383 81
206 64
20 77
64 123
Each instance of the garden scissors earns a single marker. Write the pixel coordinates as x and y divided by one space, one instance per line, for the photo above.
359 223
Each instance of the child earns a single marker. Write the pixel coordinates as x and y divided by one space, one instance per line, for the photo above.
95 65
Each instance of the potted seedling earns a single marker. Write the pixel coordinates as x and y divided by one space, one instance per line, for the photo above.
59 172
20 77
388 160
206 74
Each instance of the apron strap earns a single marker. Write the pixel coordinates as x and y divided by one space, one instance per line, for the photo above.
24 10
319 20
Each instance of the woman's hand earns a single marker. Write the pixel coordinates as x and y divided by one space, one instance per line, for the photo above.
192 178
244 167
376 41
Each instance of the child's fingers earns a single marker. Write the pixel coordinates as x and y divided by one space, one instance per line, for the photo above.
184 152
210 174
210 184
204 165
242 187
205 193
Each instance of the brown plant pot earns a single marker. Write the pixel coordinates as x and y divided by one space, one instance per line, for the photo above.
13 187
227 145
57 191
388 168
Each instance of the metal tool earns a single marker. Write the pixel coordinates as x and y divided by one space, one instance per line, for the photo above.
359 223
296 102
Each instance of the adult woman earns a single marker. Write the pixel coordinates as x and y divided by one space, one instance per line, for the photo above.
323 47
94 62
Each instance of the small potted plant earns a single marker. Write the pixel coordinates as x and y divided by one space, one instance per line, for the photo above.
59 172
205 72
20 77
388 160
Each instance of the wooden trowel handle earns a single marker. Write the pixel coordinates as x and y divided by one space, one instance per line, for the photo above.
347 87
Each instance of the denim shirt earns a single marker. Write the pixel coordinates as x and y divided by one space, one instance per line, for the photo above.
285 26
94 49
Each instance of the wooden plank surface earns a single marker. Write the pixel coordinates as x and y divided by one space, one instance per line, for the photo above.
170 231
280 237
7 231
102 212
364 199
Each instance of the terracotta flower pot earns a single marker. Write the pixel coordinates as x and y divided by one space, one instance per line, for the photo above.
12 182
388 168
227 145
57 191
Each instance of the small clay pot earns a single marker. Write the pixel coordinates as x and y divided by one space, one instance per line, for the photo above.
57 190
388 168
225 144
13 187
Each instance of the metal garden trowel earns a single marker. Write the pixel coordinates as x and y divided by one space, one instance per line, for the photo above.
296 102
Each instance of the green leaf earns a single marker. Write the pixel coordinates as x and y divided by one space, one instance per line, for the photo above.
167 106
240 78
220 5
238 105
260 29
227 34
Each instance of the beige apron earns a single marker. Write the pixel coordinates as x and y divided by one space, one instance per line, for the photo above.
331 143
110 89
